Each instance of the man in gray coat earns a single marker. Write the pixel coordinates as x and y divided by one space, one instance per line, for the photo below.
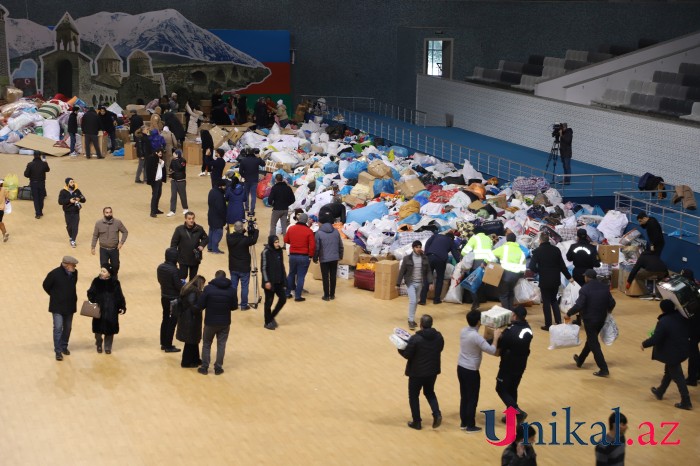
329 250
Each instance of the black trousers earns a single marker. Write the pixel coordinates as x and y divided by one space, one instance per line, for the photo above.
38 189
469 386
92 140
507 383
593 345
674 372
427 384
190 270
329 275
438 267
550 305
479 295
72 223
156 191
694 358
111 257
279 290
506 289
190 355
168 324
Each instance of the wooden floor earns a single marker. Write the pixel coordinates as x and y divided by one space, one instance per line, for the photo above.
327 387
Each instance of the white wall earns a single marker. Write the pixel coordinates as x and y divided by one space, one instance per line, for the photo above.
615 140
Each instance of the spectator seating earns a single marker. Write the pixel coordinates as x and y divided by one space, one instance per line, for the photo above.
694 114
614 98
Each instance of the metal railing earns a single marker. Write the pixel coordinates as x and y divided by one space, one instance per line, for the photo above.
397 112
370 104
674 222
484 162
356 104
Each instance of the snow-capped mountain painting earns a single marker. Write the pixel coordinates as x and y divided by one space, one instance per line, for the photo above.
24 37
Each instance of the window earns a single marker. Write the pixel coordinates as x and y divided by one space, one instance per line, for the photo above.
438 58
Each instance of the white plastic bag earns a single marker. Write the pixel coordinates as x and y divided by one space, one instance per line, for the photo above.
564 336
569 297
527 292
8 207
613 224
398 342
610 332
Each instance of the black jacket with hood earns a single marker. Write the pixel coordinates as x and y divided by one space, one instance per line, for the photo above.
423 353
239 250
169 276
219 299
272 264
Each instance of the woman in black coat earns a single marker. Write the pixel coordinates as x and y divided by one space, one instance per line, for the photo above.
207 151
274 279
189 322
548 262
106 291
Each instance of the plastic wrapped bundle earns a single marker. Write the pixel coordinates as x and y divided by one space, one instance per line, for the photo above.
564 336
496 317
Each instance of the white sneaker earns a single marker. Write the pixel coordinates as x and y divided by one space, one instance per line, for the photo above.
73 154
203 174
184 212
208 173
170 214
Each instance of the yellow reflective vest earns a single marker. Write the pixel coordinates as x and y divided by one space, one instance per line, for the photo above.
511 257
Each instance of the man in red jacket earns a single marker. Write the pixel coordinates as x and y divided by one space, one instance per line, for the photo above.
302 247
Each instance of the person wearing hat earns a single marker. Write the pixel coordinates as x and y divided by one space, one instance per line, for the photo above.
72 129
594 303
514 350
302 247
36 172
282 114
414 272
106 291
178 182
4 198
669 341
239 257
584 255
548 263
60 285
72 200
512 259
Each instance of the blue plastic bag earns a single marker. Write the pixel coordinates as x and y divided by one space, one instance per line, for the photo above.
287 176
399 151
411 219
422 200
354 169
383 186
367 214
346 190
395 174
473 280
330 167
118 152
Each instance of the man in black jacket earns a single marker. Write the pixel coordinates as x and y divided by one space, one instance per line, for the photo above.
437 248
671 348
219 299
594 303
648 266
72 129
72 201
170 286
178 182
654 232
333 212
143 150
423 353
36 172
514 349
59 284
135 122
239 258
189 238
565 139
108 124
91 127
216 216
584 256
549 264
171 120
248 168
280 198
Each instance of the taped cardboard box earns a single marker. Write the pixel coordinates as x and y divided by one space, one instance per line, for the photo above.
192 151
637 288
130 151
493 274
366 179
411 187
609 254
351 253
386 273
353 201
379 169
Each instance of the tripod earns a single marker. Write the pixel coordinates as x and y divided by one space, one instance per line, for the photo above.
254 276
553 157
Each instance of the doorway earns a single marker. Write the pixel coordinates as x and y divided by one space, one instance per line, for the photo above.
438 58
64 84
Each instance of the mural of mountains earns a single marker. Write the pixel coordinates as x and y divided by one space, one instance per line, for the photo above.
165 31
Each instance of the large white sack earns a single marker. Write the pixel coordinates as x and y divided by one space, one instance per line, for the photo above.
23 120
613 224
324 137
569 297
284 157
52 129
468 172
460 200
564 336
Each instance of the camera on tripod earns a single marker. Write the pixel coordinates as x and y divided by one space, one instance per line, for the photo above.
252 224
556 130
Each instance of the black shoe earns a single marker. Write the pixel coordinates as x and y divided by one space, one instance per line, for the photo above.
691 383
412 325
172 349
108 351
66 352
154 215
659 395
326 298
37 217
203 370
269 326
59 357
191 365
138 181
521 417
289 296
437 302
100 156
245 308
99 348
687 405
298 300
332 297
577 361
437 420
601 373
274 323
415 425
546 329
421 303
472 430
218 370
159 211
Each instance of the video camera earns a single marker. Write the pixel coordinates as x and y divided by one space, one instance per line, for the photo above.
252 223
556 130
250 152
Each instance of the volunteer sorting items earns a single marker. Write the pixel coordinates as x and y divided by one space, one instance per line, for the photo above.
512 259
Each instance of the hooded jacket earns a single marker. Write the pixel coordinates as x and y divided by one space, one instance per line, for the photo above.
107 121
423 353
216 214
235 196
281 196
329 245
66 195
239 250
219 299
157 141
178 169
169 276
330 212
186 240
670 339
272 264
248 168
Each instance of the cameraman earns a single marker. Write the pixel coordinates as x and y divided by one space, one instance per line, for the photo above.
239 257
249 168
71 199
566 135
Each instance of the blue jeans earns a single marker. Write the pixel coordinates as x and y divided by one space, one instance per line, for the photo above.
215 235
244 277
62 325
251 192
413 294
72 142
298 266
566 164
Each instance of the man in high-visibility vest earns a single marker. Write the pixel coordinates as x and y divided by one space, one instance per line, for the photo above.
512 259
481 245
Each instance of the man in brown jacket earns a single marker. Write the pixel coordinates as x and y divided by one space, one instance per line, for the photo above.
107 231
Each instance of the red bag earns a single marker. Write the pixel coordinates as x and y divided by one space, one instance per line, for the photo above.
364 279
264 187
442 197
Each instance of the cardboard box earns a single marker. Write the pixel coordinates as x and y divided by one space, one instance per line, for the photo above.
637 288
345 272
103 145
123 135
614 278
609 254
365 258
130 151
351 253
411 187
192 152
488 333
386 273
443 292
43 145
366 179
353 201
493 274
315 269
